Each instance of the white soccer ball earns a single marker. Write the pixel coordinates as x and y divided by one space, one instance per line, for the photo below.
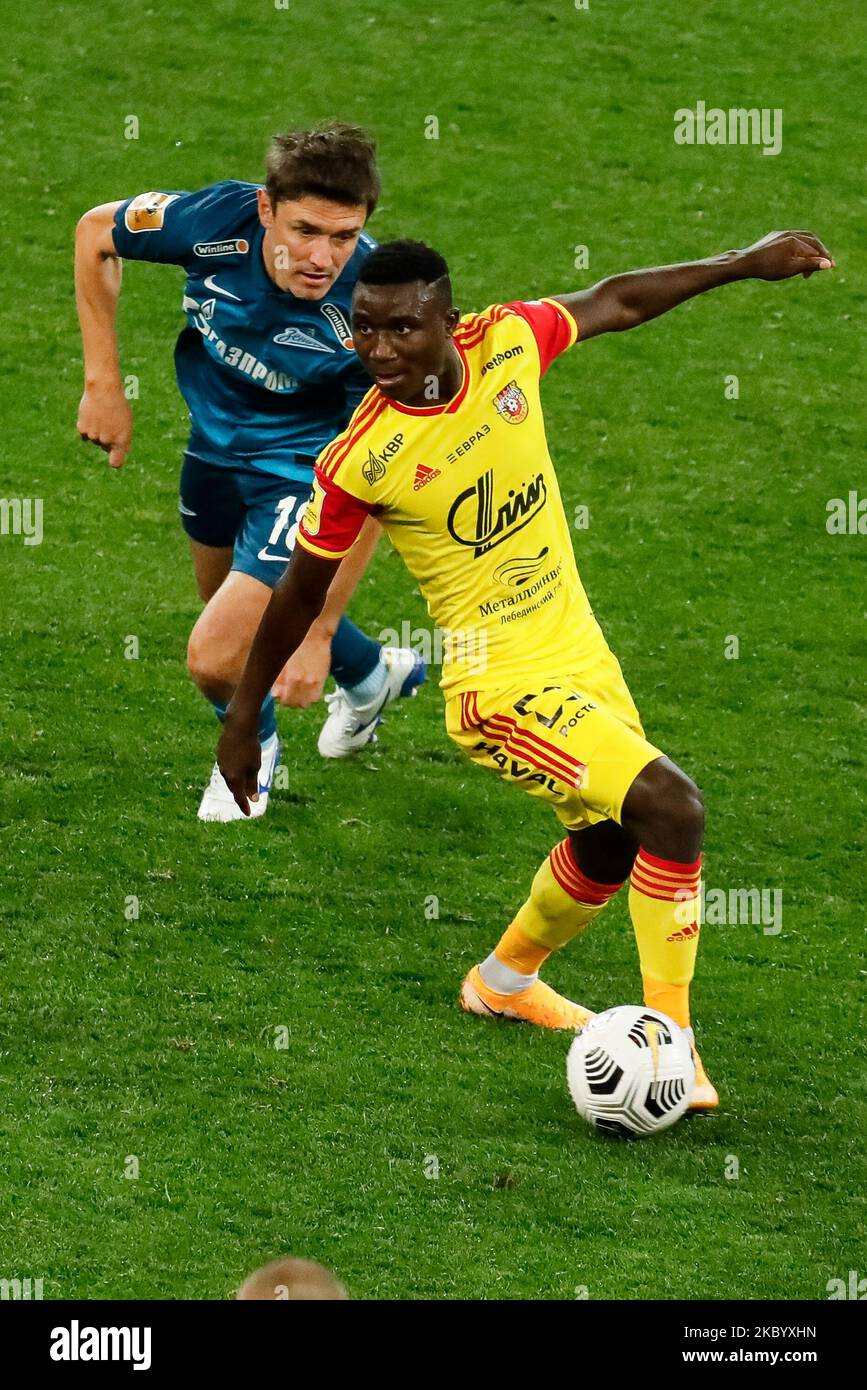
630 1071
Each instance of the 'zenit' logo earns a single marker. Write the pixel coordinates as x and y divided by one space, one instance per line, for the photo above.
472 521
374 468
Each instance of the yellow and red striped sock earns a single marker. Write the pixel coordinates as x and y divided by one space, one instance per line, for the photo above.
563 901
664 906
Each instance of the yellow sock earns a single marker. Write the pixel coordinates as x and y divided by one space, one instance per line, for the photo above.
562 902
664 903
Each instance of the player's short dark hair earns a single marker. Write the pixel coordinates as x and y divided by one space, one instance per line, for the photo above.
332 161
402 262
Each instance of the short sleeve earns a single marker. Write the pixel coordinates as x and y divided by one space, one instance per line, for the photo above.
152 227
166 226
332 519
553 327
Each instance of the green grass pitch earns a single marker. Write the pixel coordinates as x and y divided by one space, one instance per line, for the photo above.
418 1152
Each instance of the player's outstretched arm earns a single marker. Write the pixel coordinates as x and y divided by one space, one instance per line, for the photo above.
104 415
625 301
301 681
295 604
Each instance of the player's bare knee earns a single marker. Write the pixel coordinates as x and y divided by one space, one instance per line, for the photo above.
683 815
664 809
206 671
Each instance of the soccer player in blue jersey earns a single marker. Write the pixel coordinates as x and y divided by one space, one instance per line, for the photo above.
269 375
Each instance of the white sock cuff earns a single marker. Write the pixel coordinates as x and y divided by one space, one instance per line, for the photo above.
502 979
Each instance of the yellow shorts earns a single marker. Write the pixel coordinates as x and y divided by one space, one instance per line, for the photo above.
574 741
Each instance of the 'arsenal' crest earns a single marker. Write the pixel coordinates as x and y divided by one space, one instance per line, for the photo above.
512 403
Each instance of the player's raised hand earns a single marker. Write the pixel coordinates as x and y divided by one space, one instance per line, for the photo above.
780 255
105 418
238 758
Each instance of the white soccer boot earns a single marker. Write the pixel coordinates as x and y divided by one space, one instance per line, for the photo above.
350 727
218 802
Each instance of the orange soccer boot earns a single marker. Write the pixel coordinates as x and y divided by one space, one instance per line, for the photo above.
538 1004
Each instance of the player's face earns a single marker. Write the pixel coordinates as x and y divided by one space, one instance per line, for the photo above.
402 333
308 242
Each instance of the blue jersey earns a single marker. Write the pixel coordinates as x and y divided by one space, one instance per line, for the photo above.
269 379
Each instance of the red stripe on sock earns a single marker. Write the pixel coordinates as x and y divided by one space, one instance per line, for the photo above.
671 866
574 881
665 879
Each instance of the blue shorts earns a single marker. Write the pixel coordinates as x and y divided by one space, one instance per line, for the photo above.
256 513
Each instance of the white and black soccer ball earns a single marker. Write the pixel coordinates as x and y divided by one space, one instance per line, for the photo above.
630 1071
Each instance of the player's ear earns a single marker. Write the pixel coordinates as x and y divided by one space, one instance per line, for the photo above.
453 318
266 212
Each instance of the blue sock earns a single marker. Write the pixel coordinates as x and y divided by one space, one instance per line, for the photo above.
267 717
354 657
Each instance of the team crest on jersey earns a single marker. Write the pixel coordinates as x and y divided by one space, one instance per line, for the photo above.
147 212
512 403
339 323
295 337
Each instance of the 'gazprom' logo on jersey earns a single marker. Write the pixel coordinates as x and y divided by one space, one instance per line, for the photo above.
473 522
245 362
236 247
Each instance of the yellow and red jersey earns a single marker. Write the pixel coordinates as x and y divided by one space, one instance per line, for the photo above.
468 496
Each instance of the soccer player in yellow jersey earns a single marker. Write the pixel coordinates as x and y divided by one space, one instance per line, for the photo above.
448 452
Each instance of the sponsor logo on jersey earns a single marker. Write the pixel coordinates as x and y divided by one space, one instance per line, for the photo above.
238 246
464 448
472 520
207 309
512 403
520 571
374 468
424 475
244 361
515 606
147 212
500 357
339 322
296 337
